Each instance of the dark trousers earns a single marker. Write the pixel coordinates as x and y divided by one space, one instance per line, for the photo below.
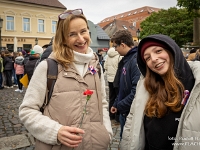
19 76
8 74
112 97
122 120
1 79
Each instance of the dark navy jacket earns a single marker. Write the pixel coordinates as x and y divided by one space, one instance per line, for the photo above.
129 75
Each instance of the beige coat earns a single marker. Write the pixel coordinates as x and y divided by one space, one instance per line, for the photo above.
188 133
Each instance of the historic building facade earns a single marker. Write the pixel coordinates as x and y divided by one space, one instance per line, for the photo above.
27 22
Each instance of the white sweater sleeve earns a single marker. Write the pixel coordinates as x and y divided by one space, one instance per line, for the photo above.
106 118
40 126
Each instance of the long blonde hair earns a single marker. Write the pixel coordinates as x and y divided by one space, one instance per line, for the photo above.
63 53
165 92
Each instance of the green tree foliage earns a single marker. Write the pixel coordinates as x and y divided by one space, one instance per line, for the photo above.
191 5
172 22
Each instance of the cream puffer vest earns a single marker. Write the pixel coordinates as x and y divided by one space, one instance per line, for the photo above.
67 104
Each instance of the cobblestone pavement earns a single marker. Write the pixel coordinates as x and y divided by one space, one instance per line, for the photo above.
14 136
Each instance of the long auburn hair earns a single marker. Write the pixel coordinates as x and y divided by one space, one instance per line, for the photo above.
165 91
62 52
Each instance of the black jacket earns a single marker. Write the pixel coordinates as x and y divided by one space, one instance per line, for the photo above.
46 53
30 66
8 63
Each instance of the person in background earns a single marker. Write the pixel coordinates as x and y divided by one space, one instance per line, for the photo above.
1 73
127 74
19 69
33 59
100 55
192 54
110 66
23 53
8 66
14 55
197 56
58 126
164 112
26 54
48 51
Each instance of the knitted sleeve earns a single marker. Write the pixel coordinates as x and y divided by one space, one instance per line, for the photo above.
40 126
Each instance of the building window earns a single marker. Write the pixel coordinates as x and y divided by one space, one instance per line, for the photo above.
54 26
26 23
40 25
10 47
134 24
124 27
9 23
27 47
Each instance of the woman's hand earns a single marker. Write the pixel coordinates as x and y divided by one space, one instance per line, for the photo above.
69 136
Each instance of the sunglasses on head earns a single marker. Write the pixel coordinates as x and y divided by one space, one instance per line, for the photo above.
74 12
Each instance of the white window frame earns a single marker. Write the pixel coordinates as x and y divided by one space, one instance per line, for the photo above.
11 22
134 24
53 26
39 26
24 22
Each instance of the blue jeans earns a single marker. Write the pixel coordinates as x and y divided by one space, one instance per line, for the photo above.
122 120
14 76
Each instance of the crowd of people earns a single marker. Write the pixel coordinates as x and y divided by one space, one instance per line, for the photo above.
14 65
153 91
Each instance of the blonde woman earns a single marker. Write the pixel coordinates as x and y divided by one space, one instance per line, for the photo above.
58 127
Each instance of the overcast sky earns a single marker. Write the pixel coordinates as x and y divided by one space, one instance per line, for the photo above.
97 10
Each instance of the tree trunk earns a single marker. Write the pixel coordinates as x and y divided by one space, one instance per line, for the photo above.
196 31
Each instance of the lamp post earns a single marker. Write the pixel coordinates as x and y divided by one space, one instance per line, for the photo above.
138 34
1 25
36 41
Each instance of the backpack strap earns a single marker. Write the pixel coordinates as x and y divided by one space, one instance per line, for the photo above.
52 73
99 70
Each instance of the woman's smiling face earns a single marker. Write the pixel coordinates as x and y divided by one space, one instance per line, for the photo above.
78 37
157 59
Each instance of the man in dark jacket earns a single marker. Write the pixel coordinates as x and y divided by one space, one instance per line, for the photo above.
127 74
48 50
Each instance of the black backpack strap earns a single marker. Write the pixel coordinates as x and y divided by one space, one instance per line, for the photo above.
52 73
99 70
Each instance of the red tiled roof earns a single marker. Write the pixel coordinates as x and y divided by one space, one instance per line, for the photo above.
131 12
51 3
116 25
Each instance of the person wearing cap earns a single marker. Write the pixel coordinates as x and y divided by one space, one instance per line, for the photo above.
165 111
70 121
33 60
127 75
